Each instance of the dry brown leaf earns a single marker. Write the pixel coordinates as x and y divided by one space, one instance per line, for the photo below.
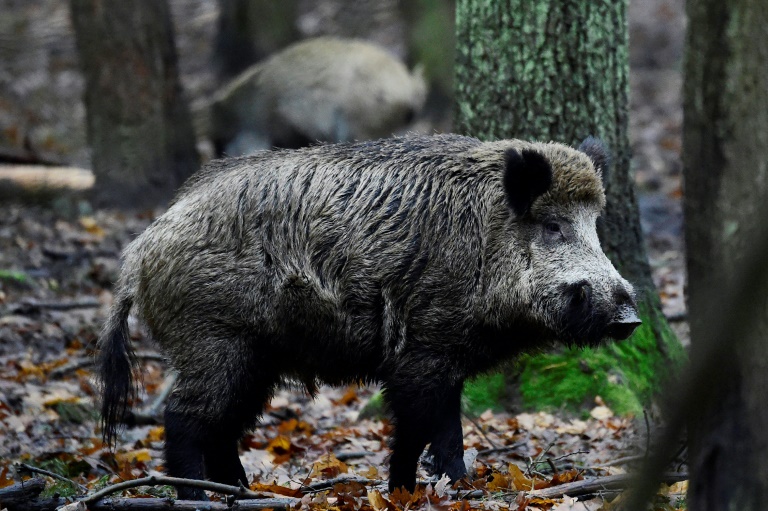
328 466
275 488
566 477
91 227
378 502
131 457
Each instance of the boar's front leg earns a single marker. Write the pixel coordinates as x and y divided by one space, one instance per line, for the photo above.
426 408
447 442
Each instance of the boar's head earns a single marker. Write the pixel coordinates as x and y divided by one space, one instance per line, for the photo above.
554 273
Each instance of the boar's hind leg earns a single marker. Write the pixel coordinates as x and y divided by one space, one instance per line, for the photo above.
203 428
184 437
424 411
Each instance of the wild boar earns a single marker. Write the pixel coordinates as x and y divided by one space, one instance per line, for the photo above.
324 89
415 262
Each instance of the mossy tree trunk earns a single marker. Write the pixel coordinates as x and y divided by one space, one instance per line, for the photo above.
547 70
139 125
725 150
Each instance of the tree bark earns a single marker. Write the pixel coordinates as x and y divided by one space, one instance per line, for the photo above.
558 71
251 30
139 125
725 150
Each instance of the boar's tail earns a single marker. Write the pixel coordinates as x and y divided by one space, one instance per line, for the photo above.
116 363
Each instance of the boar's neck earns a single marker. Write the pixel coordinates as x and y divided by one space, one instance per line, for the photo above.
497 344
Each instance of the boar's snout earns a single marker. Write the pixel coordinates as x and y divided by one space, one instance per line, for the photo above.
625 319
591 315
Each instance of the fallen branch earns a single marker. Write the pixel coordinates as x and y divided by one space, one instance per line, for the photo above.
495 450
622 461
352 455
330 483
586 487
237 491
154 504
191 505
36 470
480 430
80 363
21 492
79 255
32 306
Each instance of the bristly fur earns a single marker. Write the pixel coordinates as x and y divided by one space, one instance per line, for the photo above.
416 262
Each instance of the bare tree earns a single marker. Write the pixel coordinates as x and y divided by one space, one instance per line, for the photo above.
139 126
726 177
250 30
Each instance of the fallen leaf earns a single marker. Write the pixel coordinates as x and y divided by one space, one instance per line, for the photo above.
91 227
601 413
131 457
328 466
379 503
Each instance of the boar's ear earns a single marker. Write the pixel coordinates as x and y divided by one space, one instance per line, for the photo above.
598 153
527 175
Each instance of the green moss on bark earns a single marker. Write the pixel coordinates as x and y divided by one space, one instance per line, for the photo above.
626 375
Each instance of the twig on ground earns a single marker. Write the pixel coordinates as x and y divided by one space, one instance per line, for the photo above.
127 504
21 492
574 453
175 481
586 487
329 483
532 463
352 455
500 449
33 306
79 363
75 256
36 470
621 461
480 430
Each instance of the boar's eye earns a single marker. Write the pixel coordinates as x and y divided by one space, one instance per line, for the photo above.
554 230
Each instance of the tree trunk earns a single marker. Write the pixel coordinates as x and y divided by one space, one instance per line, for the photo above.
558 71
139 126
251 30
726 176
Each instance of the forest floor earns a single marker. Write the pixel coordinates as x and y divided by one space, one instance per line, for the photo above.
58 261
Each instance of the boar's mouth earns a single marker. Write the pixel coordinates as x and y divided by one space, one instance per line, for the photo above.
584 323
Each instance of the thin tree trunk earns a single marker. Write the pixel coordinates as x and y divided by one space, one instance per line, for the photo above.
726 178
251 30
558 71
139 126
